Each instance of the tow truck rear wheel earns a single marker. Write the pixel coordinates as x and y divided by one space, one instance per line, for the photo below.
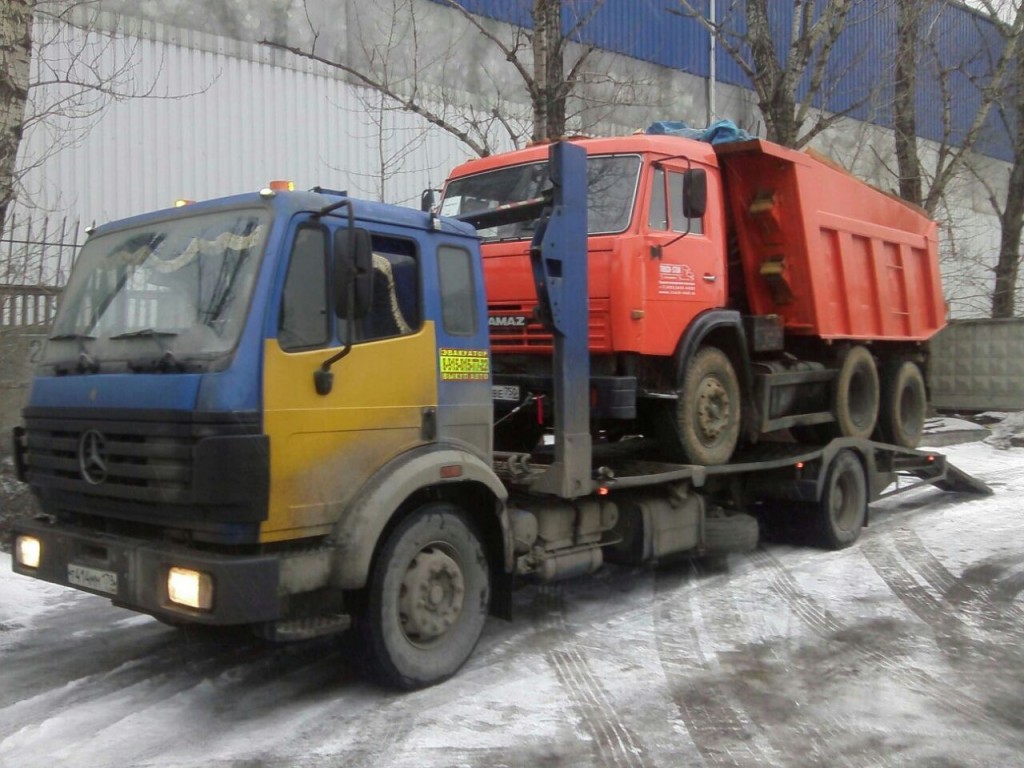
904 404
427 599
706 426
843 509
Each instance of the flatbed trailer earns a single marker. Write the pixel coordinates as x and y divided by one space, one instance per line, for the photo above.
779 484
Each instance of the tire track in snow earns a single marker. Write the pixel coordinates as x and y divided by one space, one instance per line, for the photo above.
951 698
615 744
721 730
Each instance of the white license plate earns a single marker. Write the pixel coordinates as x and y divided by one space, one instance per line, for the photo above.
92 578
505 392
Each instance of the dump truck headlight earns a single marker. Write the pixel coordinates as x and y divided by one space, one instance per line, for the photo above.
192 588
28 550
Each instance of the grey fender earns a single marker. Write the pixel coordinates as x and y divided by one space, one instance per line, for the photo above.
359 528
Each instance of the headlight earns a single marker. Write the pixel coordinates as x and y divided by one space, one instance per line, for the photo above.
191 588
28 550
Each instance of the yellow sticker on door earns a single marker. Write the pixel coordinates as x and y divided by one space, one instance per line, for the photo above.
464 364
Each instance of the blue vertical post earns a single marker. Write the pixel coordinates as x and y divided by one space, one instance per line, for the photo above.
558 256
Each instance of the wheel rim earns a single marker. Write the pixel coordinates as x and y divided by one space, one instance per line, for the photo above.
910 410
863 402
431 595
713 410
845 501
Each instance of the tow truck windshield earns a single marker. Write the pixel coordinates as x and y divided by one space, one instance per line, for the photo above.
611 192
156 296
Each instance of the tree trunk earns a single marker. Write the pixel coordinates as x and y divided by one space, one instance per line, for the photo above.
904 107
1011 218
15 55
548 70
776 95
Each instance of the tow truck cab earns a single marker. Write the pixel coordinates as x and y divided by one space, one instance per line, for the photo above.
192 428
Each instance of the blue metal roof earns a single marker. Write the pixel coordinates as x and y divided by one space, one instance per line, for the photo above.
859 76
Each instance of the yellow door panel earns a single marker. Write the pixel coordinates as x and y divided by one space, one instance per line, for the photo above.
324 447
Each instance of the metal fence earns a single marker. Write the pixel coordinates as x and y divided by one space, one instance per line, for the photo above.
35 259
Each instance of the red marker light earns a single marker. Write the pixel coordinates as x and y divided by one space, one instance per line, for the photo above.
799 465
602 491
282 185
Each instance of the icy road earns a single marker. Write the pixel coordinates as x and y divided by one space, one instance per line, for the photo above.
905 650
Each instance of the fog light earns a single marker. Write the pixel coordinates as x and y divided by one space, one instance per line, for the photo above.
191 588
28 550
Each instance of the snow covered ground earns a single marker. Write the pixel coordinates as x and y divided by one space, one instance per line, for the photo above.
905 650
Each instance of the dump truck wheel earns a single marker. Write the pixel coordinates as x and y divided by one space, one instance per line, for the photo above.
856 394
427 600
904 404
707 423
840 514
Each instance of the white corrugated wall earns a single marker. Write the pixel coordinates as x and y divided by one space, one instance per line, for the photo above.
220 124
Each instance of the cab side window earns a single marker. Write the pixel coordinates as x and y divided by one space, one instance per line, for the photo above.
455 275
302 319
395 304
666 213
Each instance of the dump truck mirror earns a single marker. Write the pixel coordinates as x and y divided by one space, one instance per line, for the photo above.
695 193
353 273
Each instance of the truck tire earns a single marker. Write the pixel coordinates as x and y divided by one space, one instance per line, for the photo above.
706 427
838 517
730 534
904 404
427 600
856 394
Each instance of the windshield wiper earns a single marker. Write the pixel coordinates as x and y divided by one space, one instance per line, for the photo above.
86 362
168 361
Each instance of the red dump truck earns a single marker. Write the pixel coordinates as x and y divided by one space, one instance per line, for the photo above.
736 291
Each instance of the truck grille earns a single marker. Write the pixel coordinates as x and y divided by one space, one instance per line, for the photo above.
145 460
514 330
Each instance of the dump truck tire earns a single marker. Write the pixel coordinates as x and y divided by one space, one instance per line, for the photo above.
904 404
707 424
427 599
856 394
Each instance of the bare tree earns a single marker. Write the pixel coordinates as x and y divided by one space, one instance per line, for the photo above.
64 62
1010 111
544 69
15 57
789 80
917 32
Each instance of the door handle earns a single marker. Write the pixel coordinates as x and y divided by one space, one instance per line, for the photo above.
708 278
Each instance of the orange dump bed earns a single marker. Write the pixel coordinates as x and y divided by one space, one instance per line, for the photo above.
832 256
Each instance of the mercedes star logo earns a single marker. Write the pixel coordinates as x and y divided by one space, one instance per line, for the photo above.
92 457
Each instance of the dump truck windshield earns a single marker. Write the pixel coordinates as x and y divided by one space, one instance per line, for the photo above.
611 191
171 291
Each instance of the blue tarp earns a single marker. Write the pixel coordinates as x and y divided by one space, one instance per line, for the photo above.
719 132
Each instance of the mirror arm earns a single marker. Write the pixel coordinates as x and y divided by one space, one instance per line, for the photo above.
323 377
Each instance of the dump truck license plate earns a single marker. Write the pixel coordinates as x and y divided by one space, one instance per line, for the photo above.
92 578
505 393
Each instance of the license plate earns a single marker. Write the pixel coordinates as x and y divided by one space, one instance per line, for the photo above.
505 392
92 578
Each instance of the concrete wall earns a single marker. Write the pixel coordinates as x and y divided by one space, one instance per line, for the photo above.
19 349
978 365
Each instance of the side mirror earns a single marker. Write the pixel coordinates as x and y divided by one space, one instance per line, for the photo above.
353 273
695 193
427 201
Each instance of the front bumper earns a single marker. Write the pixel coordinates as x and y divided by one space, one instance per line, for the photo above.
133 574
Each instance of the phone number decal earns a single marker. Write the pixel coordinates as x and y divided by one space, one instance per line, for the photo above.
464 364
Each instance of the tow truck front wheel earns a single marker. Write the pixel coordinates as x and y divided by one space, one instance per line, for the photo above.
428 599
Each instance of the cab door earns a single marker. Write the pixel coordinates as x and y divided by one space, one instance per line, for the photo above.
325 447
685 273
